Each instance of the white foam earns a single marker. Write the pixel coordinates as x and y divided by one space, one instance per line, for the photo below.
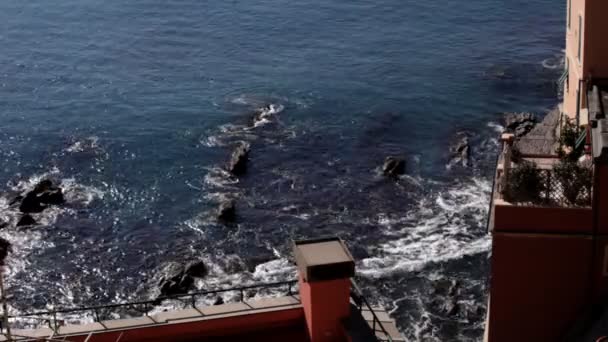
431 234
82 145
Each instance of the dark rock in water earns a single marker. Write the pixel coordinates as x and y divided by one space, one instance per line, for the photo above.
253 262
227 211
181 279
26 220
453 289
176 285
461 150
16 200
519 123
234 264
238 160
218 301
31 204
196 269
393 167
44 194
452 308
5 247
3 224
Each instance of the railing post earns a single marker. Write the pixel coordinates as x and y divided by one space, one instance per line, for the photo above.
507 140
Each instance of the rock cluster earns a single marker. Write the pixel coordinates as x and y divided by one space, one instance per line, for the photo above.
519 123
44 195
181 279
461 150
237 165
393 167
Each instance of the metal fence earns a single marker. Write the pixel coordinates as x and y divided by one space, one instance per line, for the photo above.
357 296
54 319
528 186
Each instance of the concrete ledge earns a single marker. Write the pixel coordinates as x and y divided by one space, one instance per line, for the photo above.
128 322
80 328
172 315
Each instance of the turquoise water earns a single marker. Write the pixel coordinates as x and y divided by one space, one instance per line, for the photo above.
135 107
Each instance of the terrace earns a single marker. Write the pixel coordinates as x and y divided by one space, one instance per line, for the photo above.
535 189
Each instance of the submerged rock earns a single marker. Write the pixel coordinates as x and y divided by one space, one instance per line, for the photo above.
393 167
461 150
181 279
196 269
238 160
227 211
519 123
44 194
26 220
5 248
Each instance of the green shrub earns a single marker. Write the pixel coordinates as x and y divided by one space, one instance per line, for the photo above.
525 183
569 133
575 180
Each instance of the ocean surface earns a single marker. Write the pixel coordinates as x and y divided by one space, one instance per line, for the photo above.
135 106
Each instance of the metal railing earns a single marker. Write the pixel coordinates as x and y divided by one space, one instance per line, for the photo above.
54 320
360 301
549 188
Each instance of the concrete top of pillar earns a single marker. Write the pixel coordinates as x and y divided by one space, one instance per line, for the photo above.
323 259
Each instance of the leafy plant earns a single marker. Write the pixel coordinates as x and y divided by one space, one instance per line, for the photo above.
576 180
569 133
525 183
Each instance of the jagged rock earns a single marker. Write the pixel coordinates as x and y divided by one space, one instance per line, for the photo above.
26 220
453 289
176 285
181 279
196 269
44 194
234 264
3 224
238 160
227 211
461 150
393 167
253 262
519 123
451 307
5 247
218 301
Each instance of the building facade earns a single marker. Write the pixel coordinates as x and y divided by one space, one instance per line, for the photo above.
586 55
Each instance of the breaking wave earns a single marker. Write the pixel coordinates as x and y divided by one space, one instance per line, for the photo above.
448 226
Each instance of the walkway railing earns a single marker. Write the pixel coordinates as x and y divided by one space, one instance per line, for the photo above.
54 318
361 303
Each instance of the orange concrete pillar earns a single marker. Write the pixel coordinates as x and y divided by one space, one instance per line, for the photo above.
325 267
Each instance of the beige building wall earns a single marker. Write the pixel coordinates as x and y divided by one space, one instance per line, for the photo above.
586 25
575 18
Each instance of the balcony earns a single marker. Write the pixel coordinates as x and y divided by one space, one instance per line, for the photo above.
540 193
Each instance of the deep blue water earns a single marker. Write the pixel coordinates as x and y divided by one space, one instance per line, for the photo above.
135 106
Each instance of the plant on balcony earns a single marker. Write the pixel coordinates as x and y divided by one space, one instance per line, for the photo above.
525 183
575 180
569 133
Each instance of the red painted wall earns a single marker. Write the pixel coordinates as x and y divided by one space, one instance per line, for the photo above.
539 286
290 320
326 304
